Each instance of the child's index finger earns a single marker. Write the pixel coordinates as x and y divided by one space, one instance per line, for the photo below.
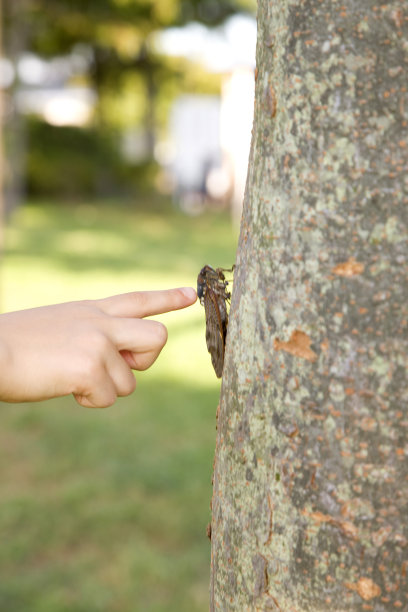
145 303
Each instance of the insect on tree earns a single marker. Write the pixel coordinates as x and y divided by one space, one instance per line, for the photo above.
214 296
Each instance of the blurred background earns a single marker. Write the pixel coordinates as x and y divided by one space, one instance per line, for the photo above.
125 136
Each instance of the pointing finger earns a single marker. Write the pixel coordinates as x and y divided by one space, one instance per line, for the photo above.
145 303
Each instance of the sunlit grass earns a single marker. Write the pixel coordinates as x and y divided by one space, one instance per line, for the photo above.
107 510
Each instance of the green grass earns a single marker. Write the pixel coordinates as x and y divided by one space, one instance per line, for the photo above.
107 510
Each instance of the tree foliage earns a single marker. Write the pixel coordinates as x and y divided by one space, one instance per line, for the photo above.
115 33
122 26
128 73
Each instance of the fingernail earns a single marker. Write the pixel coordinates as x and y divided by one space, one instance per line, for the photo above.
189 292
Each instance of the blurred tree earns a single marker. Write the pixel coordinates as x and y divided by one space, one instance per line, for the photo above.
2 204
133 82
14 135
118 33
310 477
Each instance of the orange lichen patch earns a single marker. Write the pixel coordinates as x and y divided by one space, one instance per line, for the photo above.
348 268
294 431
365 587
347 527
324 345
335 413
380 536
368 424
271 101
298 345
398 17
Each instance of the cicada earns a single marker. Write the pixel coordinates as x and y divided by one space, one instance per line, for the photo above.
214 296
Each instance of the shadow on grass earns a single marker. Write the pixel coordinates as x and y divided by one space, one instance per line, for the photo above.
107 510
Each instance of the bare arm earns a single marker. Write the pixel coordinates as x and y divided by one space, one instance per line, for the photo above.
87 348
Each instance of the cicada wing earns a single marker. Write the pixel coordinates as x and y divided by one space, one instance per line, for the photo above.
215 331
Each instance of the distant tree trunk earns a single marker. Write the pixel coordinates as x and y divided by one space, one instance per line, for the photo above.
309 510
15 32
2 173
1 140
147 67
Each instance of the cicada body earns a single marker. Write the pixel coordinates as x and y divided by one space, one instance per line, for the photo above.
213 295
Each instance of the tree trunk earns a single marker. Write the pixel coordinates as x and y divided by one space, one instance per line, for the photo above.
310 477
15 33
1 145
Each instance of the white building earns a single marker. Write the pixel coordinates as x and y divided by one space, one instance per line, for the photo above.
209 137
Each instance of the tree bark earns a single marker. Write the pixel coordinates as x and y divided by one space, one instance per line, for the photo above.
310 477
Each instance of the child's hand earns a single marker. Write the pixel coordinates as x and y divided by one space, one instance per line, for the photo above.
87 348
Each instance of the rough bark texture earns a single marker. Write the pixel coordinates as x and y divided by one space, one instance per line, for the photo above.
310 476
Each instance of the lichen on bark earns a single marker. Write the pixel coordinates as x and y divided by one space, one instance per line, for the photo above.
310 476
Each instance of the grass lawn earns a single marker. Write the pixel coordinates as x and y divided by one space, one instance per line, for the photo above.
107 510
